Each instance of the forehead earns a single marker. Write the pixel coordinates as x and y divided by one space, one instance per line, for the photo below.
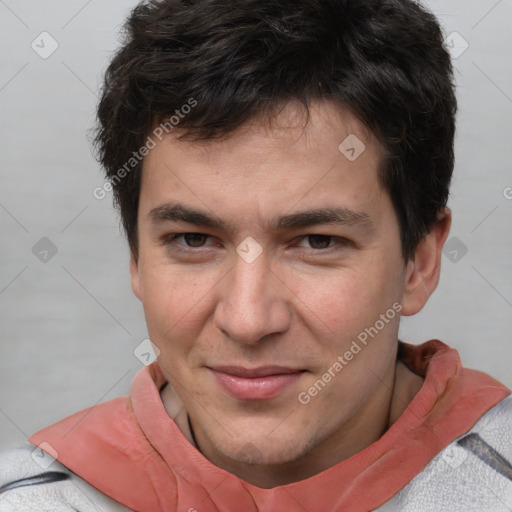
270 165
288 127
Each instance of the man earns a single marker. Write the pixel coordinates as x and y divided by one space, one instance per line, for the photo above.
282 171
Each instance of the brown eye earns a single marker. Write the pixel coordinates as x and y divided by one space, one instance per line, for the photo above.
318 245
194 239
319 241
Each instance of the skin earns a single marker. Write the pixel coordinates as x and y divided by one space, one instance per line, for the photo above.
300 304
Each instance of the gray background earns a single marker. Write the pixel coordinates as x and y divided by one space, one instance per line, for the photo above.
69 325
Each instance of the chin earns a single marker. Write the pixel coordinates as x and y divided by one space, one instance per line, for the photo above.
262 451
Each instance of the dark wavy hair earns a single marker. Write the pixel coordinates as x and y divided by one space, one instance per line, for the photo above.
384 60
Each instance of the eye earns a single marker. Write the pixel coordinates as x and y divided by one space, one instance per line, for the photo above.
192 240
322 242
317 243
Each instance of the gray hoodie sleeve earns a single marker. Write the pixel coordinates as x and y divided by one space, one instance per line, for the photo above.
32 481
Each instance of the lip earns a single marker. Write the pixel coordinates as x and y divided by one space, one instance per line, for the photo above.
262 383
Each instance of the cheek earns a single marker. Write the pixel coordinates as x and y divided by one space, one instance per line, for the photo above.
173 302
349 309
340 298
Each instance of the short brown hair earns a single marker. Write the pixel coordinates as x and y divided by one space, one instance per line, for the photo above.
384 60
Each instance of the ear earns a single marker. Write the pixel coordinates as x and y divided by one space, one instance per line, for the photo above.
134 275
423 269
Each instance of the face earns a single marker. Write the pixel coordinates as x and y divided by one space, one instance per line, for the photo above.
252 301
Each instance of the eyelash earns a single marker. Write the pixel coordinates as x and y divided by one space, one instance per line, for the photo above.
172 238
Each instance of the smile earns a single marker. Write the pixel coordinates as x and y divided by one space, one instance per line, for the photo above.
261 383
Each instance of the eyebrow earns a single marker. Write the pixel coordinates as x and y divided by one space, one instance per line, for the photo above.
177 212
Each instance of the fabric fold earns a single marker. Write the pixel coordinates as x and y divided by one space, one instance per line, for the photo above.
132 450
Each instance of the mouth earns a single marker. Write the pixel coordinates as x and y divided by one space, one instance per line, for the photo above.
262 383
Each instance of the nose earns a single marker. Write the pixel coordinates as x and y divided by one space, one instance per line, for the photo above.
254 302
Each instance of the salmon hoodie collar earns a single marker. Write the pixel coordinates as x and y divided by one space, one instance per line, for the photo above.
132 450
